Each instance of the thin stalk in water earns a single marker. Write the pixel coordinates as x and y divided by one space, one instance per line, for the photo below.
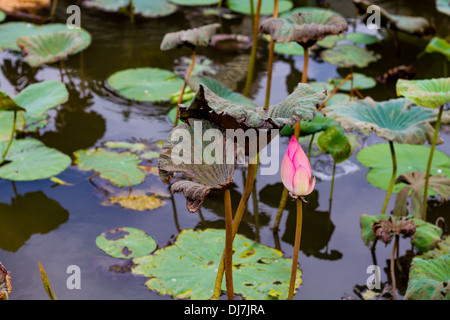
332 182
180 98
281 207
251 65
394 249
430 160
394 175
334 91
298 236
310 145
10 138
131 8
270 64
53 9
228 245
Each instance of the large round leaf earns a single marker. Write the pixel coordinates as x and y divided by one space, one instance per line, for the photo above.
126 243
119 168
31 160
409 158
188 268
200 36
394 120
431 93
146 84
52 47
429 279
267 6
11 31
289 48
438 45
144 8
346 56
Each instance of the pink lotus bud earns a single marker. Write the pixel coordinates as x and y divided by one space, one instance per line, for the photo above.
296 171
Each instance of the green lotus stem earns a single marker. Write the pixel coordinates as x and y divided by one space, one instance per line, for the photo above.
430 160
281 207
270 64
53 9
394 249
46 283
237 220
228 245
251 65
10 138
298 236
305 65
332 181
180 98
219 5
334 91
394 175
131 8
310 146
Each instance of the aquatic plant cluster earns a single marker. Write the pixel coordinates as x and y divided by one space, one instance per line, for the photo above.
217 131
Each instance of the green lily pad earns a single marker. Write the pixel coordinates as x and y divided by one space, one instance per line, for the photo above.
188 268
306 28
195 2
334 141
266 6
442 248
346 56
200 36
330 41
119 168
31 160
321 86
133 147
128 243
52 47
8 104
361 38
425 237
144 8
360 82
412 25
2 16
394 120
11 31
146 84
443 6
429 279
289 48
409 158
319 123
438 45
338 98
431 93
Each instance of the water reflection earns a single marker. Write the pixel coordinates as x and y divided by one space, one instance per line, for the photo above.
26 215
18 73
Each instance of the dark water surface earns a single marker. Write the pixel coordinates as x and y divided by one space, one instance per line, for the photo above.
58 225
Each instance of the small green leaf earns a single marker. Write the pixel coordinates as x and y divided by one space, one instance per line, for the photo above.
346 56
431 93
335 142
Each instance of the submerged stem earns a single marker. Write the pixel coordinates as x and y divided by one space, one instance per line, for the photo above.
394 249
298 235
228 245
430 160
186 77
10 138
394 175
332 182
281 207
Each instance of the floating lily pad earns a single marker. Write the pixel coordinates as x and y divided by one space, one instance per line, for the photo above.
409 158
195 2
338 98
119 168
289 48
395 120
330 41
360 82
188 268
431 93
126 243
443 6
438 45
11 31
133 147
425 237
52 47
31 160
346 56
266 6
412 25
139 202
429 279
144 8
146 84
334 141
361 38
200 36
2 16
321 86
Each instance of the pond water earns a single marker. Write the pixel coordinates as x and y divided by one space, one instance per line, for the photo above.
58 225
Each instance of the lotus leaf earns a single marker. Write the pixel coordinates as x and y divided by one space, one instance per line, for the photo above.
266 6
346 56
431 93
319 123
443 6
442 248
195 2
2 16
409 158
139 202
305 28
361 38
360 82
429 279
338 98
133 147
207 171
127 243
438 45
335 142
146 84
119 168
395 120
289 48
200 36
30 159
330 41
144 8
188 268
